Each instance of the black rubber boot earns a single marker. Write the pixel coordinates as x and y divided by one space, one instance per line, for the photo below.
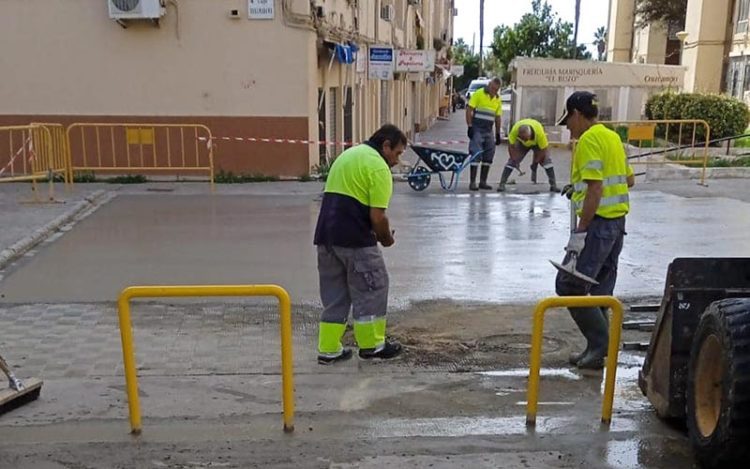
483 178
576 357
534 166
595 329
345 355
552 181
473 178
504 179
391 349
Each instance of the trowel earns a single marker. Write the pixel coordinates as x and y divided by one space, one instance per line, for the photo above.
569 267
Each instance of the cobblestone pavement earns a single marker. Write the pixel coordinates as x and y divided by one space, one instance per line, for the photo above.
83 340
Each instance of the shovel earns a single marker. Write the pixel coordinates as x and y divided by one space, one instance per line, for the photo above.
569 267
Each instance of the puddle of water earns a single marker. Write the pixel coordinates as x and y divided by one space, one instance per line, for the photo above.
468 426
628 395
550 403
623 454
524 373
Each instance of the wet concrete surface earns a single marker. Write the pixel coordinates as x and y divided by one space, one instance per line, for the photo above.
209 387
472 247
465 271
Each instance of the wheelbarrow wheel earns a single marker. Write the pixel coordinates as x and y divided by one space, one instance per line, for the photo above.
419 179
718 390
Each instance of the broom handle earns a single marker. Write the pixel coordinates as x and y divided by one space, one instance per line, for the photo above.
4 366
573 217
15 383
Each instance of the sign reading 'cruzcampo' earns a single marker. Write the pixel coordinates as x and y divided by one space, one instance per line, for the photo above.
578 73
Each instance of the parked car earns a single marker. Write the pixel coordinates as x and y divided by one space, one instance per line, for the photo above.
475 85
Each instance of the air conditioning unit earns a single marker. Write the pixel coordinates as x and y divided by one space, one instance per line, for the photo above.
135 9
387 13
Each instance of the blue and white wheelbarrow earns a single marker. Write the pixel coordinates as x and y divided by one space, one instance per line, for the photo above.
438 161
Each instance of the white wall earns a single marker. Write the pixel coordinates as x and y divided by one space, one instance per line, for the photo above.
68 57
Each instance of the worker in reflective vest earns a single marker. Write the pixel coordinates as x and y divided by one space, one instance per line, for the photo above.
599 189
351 268
528 135
483 112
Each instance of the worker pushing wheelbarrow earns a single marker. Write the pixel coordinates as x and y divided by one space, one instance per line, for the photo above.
447 164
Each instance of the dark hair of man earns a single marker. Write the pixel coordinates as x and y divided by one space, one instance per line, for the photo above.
388 132
590 114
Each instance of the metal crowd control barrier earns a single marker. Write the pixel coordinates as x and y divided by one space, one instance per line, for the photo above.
126 333
58 157
537 335
651 142
141 147
26 155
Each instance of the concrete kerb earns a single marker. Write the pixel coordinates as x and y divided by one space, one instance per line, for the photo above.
676 172
82 208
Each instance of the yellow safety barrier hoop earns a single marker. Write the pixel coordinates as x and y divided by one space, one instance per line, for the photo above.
126 333
537 335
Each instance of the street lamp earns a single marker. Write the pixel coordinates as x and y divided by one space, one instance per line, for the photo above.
682 37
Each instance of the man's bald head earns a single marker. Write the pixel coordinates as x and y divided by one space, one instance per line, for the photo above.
494 86
525 133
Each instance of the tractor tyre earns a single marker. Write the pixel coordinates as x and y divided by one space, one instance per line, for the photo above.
718 390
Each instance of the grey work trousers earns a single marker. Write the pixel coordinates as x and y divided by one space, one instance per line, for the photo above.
482 140
356 280
598 260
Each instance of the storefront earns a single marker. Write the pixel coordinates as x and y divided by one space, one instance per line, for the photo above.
541 86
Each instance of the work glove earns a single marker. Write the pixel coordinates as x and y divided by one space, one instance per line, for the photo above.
497 139
576 243
470 132
567 191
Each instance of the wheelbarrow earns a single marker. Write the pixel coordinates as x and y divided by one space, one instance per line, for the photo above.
447 164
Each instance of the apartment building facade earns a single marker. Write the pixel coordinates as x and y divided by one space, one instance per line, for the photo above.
715 49
281 69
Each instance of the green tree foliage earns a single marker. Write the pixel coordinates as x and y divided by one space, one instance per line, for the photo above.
463 55
576 23
725 115
540 33
667 11
600 41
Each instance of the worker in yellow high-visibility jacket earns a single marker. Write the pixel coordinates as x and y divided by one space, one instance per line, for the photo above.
599 189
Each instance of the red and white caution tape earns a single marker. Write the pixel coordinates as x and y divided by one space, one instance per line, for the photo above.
30 144
314 142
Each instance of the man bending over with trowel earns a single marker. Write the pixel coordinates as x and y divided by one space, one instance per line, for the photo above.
528 135
599 191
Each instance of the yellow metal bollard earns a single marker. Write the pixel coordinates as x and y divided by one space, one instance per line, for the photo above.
128 354
537 335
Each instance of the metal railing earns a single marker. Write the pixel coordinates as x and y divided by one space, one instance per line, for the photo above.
56 150
537 336
126 333
141 147
26 156
653 142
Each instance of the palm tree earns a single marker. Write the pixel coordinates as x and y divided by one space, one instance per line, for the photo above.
481 37
600 41
575 29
